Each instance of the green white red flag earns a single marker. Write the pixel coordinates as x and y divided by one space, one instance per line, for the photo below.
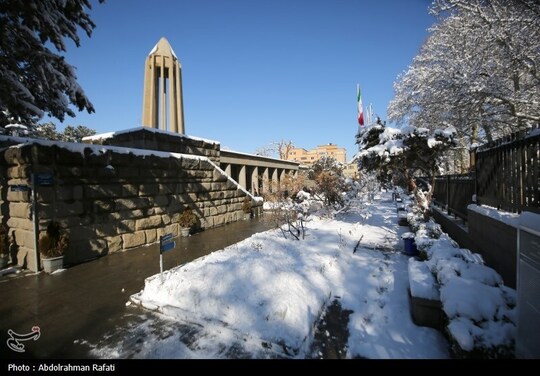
360 107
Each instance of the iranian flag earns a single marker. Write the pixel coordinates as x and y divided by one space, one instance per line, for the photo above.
360 107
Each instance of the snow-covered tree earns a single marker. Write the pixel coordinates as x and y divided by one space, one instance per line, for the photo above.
35 78
48 131
478 70
401 154
329 180
76 134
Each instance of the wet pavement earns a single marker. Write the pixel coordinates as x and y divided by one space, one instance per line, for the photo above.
87 301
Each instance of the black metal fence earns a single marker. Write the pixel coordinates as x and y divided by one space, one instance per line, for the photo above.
506 176
455 193
507 172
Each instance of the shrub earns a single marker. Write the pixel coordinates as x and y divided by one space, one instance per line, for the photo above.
53 243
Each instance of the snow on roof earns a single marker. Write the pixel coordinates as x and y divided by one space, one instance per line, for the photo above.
104 136
258 156
76 147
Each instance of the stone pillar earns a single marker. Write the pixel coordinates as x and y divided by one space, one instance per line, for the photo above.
274 186
228 169
255 181
163 97
265 180
242 176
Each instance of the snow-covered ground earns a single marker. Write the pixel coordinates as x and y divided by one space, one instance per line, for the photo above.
262 297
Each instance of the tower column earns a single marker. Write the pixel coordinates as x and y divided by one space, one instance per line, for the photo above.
163 73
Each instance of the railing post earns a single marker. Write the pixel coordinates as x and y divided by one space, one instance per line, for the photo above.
448 194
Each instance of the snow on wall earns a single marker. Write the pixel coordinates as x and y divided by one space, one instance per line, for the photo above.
511 219
104 136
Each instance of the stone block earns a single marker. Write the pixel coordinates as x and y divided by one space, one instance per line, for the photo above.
45 194
18 196
85 249
135 239
207 222
150 189
219 220
151 236
166 219
161 200
24 238
81 233
221 209
21 172
23 258
69 222
105 229
66 157
18 156
173 228
129 190
131 203
205 165
150 222
65 209
20 209
126 225
166 188
114 244
190 163
103 190
175 205
101 206
127 172
20 223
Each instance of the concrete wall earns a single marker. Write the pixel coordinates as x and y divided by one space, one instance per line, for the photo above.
497 243
110 199
494 240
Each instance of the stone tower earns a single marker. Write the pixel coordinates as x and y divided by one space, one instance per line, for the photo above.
162 76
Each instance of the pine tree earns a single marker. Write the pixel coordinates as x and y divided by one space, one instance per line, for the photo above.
35 80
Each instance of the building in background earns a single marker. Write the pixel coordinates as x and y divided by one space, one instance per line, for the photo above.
350 170
308 157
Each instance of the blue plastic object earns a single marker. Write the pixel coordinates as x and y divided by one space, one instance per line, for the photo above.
409 247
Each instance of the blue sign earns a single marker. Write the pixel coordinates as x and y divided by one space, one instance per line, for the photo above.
19 188
45 178
166 237
166 243
167 246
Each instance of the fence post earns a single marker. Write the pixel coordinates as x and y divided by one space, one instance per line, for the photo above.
448 194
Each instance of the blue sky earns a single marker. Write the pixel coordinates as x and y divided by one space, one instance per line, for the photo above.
253 71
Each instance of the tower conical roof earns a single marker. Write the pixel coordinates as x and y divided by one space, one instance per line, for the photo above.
163 48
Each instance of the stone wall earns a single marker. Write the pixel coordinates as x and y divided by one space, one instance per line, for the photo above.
155 139
110 199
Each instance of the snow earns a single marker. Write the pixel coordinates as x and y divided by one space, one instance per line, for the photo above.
273 290
100 149
460 298
511 219
422 281
481 311
530 221
107 135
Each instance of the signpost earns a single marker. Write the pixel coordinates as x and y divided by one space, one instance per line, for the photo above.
166 243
